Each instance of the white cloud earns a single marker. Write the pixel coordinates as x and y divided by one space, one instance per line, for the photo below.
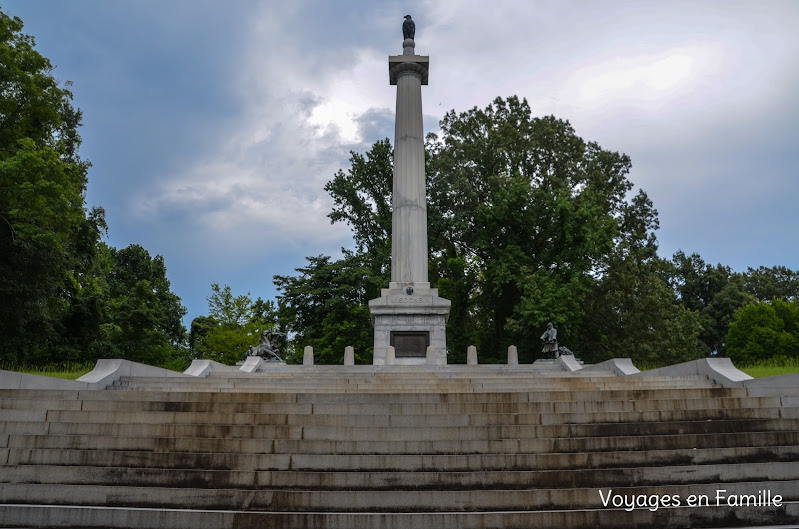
662 82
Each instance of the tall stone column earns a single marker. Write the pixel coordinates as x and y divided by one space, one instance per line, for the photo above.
409 220
409 315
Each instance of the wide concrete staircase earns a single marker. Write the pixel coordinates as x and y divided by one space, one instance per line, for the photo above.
365 447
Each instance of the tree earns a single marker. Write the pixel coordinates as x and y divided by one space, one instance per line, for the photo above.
47 237
362 199
143 320
632 311
64 294
764 330
524 220
233 325
529 213
777 282
325 306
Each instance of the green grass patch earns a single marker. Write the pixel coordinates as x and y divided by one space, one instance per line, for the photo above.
776 365
767 371
66 370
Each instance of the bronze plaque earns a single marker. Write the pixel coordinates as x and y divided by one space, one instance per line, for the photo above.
410 344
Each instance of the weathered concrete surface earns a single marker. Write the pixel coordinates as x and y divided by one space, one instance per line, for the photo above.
203 368
568 363
394 446
620 366
719 370
252 364
106 371
15 380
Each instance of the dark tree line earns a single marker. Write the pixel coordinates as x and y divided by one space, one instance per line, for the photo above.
65 296
528 223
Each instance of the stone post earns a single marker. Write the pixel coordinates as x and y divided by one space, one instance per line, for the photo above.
349 356
513 356
471 355
307 356
390 358
431 356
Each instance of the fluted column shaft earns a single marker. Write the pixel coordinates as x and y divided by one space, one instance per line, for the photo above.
409 219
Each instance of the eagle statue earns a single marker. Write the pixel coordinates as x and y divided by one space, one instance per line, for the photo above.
408 28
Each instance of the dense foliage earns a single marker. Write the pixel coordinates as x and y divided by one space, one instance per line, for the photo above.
528 223
233 325
64 295
765 330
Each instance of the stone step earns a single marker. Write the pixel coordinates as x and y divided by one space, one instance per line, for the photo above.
366 500
399 462
434 383
141 518
636 411
425 441
331 408
291 426
426 381
694 401
364 447
400 480
530 396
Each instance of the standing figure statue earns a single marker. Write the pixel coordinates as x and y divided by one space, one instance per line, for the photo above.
408 28
550 339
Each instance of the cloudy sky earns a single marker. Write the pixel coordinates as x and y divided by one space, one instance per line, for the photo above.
213 126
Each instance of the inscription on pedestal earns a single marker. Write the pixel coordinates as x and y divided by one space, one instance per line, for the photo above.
410 344
410 300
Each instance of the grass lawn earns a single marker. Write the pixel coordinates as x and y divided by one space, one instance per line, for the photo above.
758 371
67 371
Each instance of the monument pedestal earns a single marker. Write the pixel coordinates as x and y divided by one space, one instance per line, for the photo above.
409 315
410 318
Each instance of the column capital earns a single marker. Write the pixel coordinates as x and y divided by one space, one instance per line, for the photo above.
408 63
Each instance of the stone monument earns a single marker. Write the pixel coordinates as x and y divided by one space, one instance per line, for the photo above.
409 315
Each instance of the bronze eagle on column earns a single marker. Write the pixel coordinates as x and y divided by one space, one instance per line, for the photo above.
408 28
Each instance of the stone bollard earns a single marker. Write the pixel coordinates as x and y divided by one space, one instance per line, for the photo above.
307 356
471 355
390 356
513 356
349 356
431 356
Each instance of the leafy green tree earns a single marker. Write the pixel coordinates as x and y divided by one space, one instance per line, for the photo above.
362 199
201 326
763 330
777 282
715 293
233 325
143 320
632 311
47 236
532 210
227 309
325 306
525 219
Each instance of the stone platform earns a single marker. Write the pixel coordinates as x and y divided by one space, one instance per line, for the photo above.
400 446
